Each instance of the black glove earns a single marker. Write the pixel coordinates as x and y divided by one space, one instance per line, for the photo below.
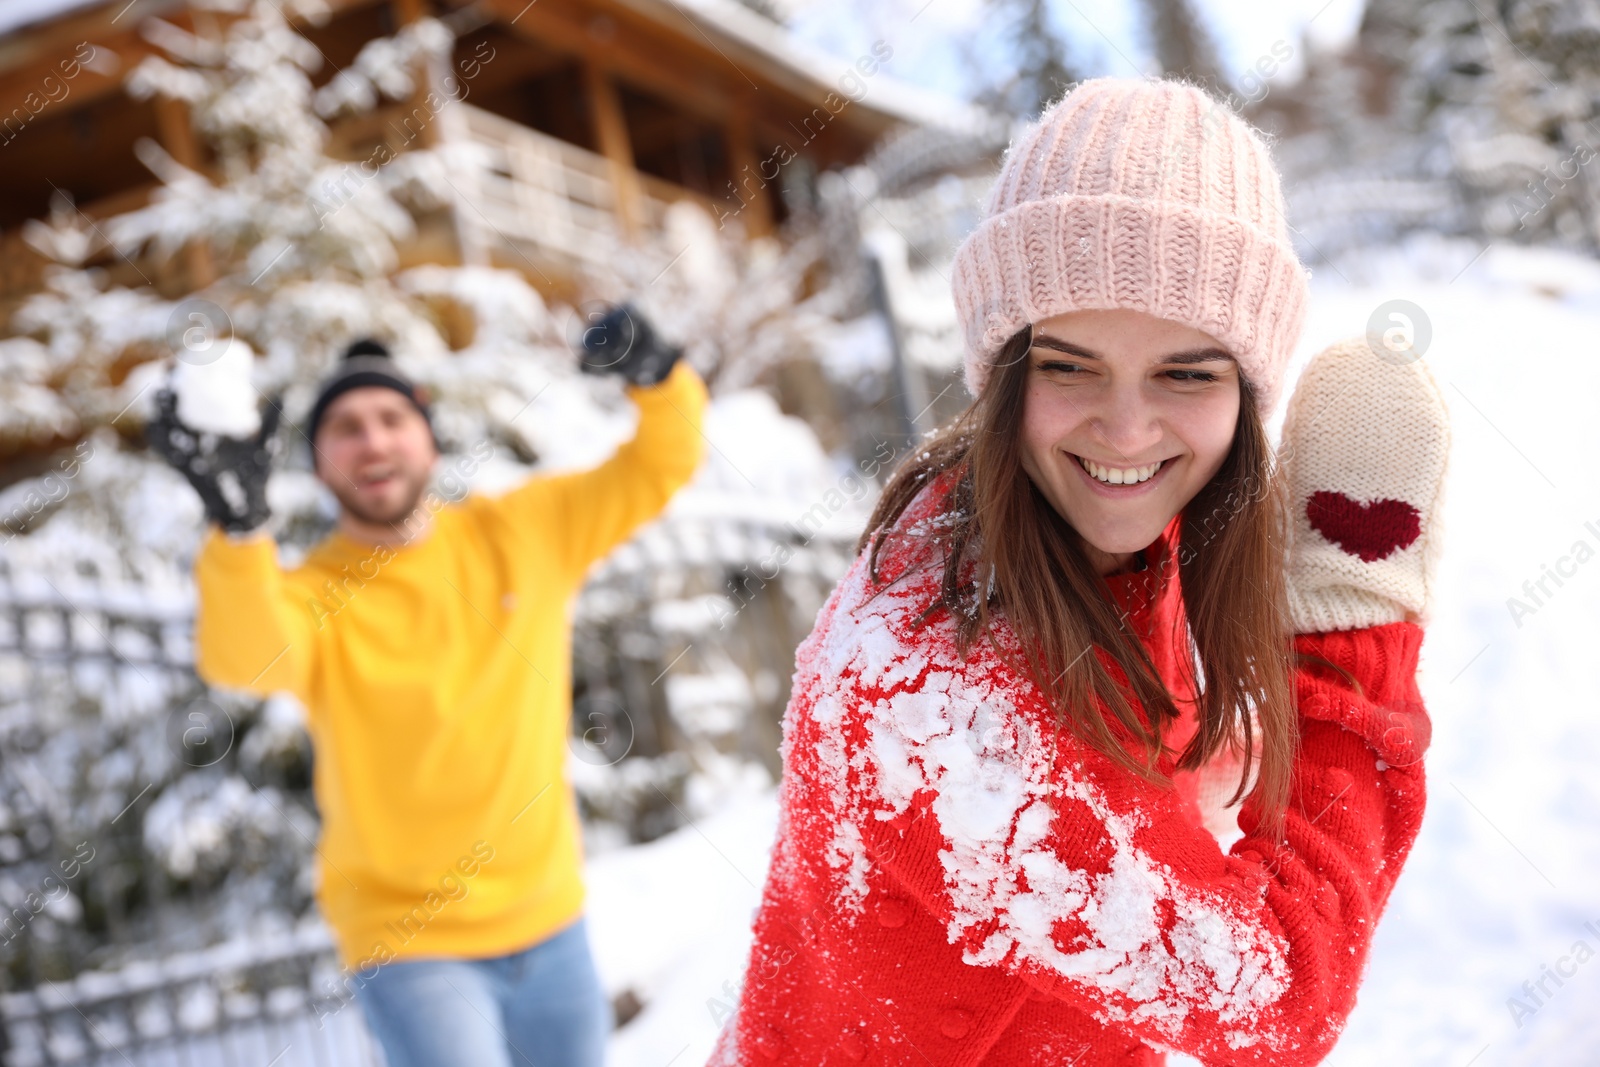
623 342
229 473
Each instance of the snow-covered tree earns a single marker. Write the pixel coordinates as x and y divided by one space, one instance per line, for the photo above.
1038 67
1181 43
1451 116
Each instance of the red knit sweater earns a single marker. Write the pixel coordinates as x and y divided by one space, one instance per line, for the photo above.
957 882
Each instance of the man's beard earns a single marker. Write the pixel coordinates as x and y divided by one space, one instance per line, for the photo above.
393 517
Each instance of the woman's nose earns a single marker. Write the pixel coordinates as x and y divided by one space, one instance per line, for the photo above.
1125 421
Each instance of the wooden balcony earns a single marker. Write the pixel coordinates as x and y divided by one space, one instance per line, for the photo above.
536 204
595 117
539 198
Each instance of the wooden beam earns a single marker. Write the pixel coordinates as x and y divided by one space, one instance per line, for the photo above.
177 137
620 49
408 11
749 183
57 81
177 132
611 134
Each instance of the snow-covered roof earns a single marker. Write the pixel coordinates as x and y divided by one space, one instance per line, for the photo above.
734 29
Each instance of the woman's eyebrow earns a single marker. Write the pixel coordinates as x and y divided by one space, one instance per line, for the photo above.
1058 345
1199 355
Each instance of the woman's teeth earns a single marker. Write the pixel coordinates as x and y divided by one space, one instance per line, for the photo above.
1119 475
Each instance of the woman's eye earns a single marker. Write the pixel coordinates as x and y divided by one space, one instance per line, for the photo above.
1193 375
1055 366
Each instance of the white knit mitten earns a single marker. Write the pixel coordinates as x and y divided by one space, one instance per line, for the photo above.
1366 443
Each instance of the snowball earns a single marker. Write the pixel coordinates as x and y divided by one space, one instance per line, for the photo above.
217 396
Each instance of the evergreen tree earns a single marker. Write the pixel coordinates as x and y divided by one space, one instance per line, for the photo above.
1041 71
1182 46
1454 116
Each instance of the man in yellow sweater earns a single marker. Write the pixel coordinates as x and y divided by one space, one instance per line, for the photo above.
430 645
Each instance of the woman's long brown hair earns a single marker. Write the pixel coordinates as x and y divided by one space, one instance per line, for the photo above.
1230 566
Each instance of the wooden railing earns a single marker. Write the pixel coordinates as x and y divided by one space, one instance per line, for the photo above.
541 191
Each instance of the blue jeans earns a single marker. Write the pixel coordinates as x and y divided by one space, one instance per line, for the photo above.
538 1007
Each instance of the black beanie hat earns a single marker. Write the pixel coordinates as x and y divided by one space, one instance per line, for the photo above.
366 362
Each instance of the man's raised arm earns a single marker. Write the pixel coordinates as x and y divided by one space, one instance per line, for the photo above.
250 632
582 516
590 512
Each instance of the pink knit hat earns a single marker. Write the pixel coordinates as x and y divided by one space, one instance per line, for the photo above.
1141 194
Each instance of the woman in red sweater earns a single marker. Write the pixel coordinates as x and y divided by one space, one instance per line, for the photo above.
1092 589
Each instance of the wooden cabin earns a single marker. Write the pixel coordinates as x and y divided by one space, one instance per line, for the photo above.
595 114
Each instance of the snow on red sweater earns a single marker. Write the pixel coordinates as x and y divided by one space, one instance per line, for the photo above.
956 881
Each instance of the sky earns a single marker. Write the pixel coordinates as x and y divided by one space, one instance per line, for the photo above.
939 43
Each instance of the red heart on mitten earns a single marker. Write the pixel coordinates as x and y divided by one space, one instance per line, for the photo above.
1370 531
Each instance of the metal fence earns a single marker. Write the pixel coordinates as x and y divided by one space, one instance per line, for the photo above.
683 648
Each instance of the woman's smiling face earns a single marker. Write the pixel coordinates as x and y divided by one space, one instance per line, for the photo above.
1148 405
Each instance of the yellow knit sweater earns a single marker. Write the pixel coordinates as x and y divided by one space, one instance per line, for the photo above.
436 677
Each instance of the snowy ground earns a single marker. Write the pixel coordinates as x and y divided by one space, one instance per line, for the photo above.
1504 876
